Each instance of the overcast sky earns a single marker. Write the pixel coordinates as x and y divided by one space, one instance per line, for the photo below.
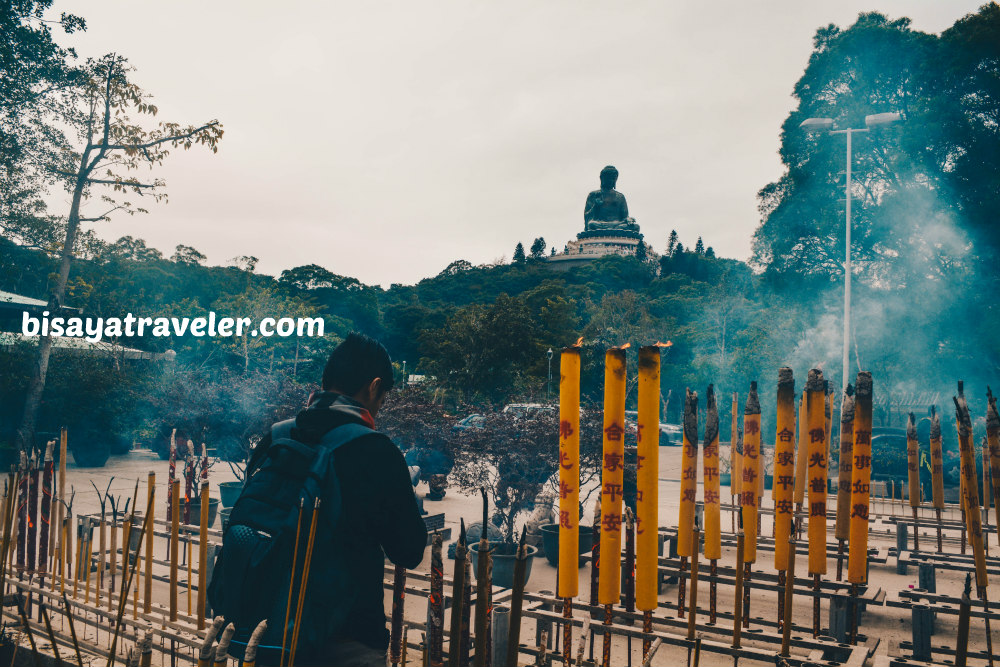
385 140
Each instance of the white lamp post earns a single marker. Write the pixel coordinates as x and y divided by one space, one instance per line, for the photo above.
826 125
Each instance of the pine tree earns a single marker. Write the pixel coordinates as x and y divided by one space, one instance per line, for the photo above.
671 242
710 252
641 253
519 253
699 247
678 250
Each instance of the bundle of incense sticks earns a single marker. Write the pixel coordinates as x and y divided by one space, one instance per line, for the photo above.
751 491
817 471
713 520
857 558
913 475
843 526
937 471
784 477
688 490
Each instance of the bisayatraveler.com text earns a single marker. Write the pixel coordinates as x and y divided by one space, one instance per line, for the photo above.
95 329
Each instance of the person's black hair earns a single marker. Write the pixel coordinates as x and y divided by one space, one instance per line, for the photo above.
354 363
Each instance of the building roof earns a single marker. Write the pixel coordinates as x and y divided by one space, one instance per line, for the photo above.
20 300
74 344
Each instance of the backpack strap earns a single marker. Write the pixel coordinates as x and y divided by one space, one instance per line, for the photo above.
328 444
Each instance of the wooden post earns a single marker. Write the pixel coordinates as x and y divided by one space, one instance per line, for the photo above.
738 597
147 600
789 592
693 608
175 525
203 556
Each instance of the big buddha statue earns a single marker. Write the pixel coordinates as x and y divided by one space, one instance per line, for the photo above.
606 209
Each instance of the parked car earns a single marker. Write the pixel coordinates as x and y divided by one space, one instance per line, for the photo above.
528 410
472 421
670 434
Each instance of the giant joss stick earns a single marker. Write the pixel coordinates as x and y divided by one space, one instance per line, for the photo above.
968 453
171 476
842 530
801 459
516 604
751 471
735 461
688 491
986 495
458 600
857 557
937 471
43 547
569 488
913 476
647 483
817 471
609 584
993 439
482 584
784 479
435 611
713 520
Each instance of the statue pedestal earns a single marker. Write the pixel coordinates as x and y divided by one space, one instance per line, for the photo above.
591 245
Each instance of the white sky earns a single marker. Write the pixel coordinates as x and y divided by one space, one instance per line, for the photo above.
385 140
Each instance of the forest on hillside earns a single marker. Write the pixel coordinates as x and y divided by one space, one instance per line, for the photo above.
926 195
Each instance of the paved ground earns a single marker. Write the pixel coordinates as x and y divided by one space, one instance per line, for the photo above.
884 624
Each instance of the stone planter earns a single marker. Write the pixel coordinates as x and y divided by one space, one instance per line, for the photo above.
229 492
503 563
213 511
550 540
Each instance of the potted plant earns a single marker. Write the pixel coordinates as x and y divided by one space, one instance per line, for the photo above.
516 462
236 452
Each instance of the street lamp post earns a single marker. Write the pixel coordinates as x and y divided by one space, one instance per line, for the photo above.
548 385
826 125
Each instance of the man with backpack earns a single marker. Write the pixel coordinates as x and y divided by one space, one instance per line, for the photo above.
328 457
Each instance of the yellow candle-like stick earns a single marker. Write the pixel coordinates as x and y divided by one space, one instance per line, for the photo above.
861 473
735 461
710 453
973 517
751 471
689 475
937 462
817 467
609 587
784 467
569 471
647 480
912 469
801 453
843 527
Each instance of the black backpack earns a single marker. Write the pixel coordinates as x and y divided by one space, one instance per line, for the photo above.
252 574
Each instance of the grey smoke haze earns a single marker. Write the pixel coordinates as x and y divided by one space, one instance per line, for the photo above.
384 140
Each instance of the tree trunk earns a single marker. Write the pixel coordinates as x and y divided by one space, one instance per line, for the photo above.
33 399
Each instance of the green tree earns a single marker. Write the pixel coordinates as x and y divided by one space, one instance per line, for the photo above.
34 72
671 242
483 350
185 254
699 247
103 113
519 257
538 248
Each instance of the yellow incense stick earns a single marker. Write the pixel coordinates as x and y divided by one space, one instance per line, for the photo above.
569 471
609 586
647 480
